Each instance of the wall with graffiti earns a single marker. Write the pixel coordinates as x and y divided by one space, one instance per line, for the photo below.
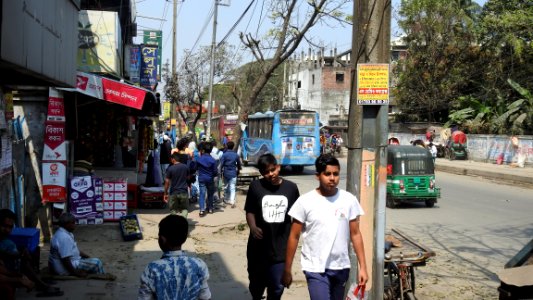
486 148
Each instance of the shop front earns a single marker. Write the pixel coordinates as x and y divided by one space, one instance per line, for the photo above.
112 125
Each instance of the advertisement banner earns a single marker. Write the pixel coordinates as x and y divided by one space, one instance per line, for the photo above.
149 67
372 84
55 147
56 106
135 64
110 90
54 181
98 42
166 110
155 38
82 197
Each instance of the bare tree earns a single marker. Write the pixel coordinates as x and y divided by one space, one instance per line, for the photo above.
291 21
187 89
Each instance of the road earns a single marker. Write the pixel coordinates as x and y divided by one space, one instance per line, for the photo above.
475 228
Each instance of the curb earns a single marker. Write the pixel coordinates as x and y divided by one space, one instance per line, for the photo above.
512 179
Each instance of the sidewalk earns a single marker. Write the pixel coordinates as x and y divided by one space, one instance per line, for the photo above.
498 173
219 239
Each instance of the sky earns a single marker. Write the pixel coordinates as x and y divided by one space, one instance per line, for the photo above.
194 25
193 16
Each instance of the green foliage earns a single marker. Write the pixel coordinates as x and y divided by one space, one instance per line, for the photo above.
462 58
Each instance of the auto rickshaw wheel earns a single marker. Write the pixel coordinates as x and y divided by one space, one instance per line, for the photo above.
430 202
452 154
390 202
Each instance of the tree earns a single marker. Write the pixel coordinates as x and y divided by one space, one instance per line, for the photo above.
187 89
291 21
503 71
441 43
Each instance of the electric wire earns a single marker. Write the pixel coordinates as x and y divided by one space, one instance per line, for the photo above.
236 23
210 15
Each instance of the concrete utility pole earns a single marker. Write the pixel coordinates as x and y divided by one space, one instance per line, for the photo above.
367 143
174 40
212 72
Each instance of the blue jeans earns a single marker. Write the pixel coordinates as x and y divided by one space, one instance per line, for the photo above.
207 190
229 189
328 285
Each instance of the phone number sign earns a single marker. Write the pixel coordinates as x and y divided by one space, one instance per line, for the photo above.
372 84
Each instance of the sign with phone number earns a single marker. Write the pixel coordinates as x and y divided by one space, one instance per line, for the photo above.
372 84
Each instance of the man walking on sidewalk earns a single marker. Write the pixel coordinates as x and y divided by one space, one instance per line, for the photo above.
230 165
267 204
176 187
207 171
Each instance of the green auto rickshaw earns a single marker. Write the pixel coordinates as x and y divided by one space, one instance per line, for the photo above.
410 176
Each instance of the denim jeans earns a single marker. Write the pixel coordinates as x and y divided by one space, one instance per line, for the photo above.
207 190
229 189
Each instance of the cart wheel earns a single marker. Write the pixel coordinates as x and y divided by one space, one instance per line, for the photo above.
430 203
410 296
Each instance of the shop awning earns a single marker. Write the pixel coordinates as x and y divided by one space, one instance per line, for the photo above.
112 90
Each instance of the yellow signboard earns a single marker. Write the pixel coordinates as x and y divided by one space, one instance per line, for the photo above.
166 110
372 84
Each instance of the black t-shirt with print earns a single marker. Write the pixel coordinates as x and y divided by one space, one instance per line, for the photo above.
270 205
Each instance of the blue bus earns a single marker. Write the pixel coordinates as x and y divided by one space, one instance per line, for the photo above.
292 136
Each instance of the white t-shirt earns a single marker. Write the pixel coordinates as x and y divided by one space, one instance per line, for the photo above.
326 230
63 245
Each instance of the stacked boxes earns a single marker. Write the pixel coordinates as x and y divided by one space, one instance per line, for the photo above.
115 197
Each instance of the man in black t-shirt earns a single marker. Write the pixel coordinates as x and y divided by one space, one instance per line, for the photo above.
176 188
267 203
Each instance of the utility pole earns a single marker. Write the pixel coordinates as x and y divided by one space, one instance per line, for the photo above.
174 39
212 72
367 143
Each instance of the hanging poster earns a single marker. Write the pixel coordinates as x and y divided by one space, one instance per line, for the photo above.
55 147
54 181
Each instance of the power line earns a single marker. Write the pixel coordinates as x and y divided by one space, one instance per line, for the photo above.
210 15
236 23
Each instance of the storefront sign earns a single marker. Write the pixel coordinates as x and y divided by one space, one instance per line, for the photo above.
155 37
123 94
372 84
149 67
54 181
135 64
110 90
56 106
55 147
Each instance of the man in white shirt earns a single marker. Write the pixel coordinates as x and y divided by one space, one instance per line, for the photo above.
328 219
65 256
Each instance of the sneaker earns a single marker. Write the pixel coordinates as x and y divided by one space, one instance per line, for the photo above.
210 211
233 205
202 213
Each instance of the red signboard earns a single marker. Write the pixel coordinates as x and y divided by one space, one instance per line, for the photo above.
56 108
123 94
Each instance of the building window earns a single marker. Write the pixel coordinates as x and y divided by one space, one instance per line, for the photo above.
313 79
299 84
339 77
